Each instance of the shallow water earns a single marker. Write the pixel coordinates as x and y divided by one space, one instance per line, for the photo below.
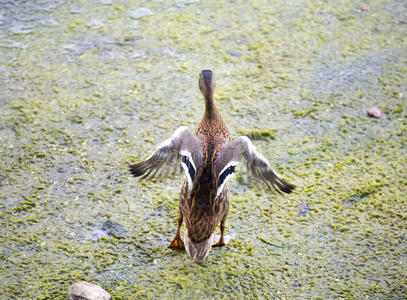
88 87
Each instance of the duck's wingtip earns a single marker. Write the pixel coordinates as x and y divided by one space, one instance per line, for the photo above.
136 170
288 188
284 186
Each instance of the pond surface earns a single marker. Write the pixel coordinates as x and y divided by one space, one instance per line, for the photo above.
91 86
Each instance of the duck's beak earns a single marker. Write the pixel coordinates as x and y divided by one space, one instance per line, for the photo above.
198 251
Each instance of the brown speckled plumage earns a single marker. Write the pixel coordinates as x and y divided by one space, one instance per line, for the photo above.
201 209
209 158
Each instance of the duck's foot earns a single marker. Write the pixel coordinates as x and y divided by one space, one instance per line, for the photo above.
219 243
222 241
177 243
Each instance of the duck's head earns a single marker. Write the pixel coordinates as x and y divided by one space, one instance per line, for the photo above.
198 250
207 84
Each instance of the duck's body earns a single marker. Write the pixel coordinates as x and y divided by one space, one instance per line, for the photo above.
209 159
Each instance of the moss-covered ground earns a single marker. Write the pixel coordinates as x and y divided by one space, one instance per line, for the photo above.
88 87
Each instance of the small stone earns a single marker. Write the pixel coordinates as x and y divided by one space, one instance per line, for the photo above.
83 290
374 112
140 13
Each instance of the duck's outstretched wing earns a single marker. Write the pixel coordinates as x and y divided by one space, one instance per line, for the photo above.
182 146
231 154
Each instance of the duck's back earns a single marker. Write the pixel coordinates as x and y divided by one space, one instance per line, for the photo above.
203 208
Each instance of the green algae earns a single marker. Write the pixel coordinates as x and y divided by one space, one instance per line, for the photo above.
97 89
256 134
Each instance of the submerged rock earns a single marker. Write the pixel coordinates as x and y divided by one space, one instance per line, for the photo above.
108 228
304 210
83 290
374 112
113 229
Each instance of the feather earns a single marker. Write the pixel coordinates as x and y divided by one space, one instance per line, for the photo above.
182 145
231 153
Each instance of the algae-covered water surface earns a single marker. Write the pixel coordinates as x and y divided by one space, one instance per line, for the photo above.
88 87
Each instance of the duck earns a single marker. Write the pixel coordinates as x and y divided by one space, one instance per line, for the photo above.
209 158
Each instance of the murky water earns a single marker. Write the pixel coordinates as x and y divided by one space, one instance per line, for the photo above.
88 87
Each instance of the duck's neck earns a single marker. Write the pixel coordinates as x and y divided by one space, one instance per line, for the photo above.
211 112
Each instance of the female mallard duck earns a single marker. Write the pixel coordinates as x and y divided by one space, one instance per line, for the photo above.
209 159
